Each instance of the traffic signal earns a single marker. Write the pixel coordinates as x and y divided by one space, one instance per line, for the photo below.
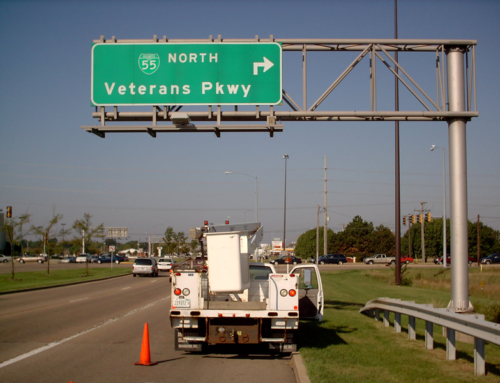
404 221
9 211
420 218
428 217
413 219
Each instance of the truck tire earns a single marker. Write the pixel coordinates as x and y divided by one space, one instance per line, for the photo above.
370 262
40 261
341 263
322 263
393 263
22 261
99 261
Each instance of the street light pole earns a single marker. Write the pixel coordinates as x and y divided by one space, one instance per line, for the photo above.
444 204
256 192
284 209
153 235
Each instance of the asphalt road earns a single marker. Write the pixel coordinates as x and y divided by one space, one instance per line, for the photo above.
93 332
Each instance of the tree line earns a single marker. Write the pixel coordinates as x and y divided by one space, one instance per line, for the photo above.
360 238
61 240
18 229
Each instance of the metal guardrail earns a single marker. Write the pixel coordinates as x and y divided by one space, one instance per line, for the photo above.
474 325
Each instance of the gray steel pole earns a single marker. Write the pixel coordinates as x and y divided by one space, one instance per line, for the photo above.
285 156
397 181
317 237
325 230
458 182
444 211
422 230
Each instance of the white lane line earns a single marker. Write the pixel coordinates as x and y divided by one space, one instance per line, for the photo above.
54 344
125 288
153 281
78 300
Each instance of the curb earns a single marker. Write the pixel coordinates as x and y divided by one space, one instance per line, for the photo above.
62 285
299 368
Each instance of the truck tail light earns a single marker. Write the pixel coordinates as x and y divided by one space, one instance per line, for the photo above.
177 291
292 293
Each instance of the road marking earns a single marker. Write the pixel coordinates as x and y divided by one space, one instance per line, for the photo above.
54 344
77 300
153 281
125 288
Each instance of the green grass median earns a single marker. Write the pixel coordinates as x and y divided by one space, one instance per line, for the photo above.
40 279
350 347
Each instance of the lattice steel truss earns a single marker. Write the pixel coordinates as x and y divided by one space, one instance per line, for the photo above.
159 119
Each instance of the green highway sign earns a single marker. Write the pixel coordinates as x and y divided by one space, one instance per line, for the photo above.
186 74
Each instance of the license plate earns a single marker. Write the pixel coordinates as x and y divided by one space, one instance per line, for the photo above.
182 303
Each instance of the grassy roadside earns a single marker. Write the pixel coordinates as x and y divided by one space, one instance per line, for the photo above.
350 347
39 279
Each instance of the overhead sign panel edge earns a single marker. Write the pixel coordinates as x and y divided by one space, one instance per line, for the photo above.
186 74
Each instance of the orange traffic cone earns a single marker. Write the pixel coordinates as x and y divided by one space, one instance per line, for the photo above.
145 354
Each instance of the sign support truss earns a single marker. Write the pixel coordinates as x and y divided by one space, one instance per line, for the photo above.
271 121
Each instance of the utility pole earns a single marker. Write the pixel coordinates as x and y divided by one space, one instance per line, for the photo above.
317 237
83 241
478 242
422 229
409 236
325 235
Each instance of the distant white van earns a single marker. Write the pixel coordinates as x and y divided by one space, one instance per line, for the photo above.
82 258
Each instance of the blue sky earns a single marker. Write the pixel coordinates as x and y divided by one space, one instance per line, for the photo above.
133 180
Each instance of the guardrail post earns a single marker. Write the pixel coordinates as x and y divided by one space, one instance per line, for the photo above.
479 361
377 314
397 322
451 351
412 334
429 335
386 318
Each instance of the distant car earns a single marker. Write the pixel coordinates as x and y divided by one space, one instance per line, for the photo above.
439 261
106 258
286 259
93 259
405 259
120 257
69 260
145 266
32 258
82 258
492 258
335 258
165 264
198 261
5 258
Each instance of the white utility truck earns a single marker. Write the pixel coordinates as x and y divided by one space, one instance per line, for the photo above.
226 299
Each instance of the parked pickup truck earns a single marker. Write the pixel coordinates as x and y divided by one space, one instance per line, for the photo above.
380 259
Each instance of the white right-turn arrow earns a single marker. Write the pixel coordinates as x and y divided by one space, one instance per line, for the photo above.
266 65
